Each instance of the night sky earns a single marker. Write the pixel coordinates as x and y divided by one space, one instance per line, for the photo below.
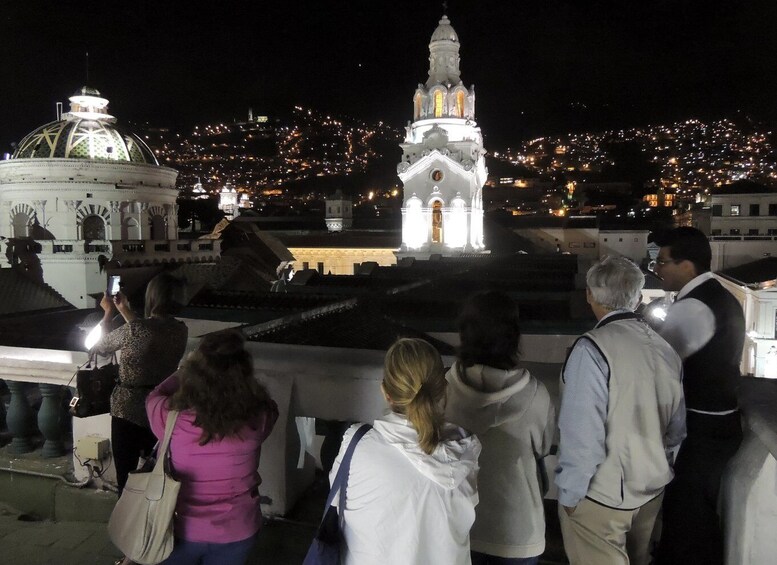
538 67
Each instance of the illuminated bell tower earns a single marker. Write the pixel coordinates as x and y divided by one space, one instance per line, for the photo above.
443 167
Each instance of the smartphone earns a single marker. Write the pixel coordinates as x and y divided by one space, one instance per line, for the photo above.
114 284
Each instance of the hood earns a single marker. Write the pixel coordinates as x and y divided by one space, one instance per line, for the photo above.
453 461
481 397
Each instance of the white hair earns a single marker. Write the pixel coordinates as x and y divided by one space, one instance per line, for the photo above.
615 283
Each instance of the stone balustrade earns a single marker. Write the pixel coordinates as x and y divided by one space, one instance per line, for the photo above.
49 370
132 251
306 382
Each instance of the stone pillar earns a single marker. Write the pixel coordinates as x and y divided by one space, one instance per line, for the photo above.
3 415
20 419
50 418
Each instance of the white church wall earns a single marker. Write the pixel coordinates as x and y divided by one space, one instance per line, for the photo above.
624 243
74 279
733 253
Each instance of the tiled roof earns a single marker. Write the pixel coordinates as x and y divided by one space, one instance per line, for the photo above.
755 273
52 330
19 294
345 240
259 300
352 326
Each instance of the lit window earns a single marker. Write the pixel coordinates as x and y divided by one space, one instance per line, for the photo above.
460 104
438 104
735 210
437 222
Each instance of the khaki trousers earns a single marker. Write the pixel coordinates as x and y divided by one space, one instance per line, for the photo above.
598 535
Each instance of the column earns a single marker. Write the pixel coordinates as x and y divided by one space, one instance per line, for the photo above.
20 419
50 420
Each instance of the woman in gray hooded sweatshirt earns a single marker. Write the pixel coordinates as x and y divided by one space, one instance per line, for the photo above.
512 414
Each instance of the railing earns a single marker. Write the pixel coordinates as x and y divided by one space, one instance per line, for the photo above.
167 249
97 248
133 247
306 382
743 237
49 371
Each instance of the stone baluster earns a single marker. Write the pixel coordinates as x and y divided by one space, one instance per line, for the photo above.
20 419
50 420
3 415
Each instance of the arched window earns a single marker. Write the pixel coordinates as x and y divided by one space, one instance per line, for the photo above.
130 230
437 222
438 104
460 103
414 229
21 223
417 107
456 223
93 228
158 230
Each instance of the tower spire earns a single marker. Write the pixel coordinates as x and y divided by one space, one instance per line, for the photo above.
444 55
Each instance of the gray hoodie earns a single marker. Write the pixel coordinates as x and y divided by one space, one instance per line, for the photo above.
512 414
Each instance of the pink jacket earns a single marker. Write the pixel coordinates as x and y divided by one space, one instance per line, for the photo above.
219 498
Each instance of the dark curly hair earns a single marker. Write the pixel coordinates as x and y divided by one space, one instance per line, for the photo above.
217 382
489 331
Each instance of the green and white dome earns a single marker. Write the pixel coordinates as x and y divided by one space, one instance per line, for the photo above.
86 132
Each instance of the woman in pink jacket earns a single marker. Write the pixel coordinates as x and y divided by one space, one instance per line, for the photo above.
225 415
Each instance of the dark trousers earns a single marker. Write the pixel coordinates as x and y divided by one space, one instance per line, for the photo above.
691 531
485 559
128 442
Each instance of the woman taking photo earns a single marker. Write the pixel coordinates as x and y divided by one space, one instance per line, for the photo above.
151 348
411 491
225 415
511 413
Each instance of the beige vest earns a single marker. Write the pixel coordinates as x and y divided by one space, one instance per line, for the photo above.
645 390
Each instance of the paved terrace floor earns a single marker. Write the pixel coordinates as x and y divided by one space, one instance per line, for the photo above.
80 536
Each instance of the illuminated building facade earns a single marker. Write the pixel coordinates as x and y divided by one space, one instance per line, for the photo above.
228 201
443 165
339 212
80 191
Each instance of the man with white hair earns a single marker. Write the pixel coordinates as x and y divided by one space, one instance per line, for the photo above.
622 412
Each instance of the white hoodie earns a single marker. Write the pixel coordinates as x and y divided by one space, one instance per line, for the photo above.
404 506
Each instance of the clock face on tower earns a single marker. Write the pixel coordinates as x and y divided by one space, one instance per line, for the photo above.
437 175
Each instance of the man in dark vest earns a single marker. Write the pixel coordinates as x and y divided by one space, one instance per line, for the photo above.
706 327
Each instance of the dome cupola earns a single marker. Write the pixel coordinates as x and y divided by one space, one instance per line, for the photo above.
87 131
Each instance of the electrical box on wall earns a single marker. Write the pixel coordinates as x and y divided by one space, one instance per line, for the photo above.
92 447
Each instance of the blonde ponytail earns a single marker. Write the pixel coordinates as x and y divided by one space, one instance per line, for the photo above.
414 379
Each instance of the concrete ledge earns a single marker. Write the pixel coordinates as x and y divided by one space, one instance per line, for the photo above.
39 487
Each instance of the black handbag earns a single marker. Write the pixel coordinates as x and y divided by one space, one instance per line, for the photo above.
326 546
94 386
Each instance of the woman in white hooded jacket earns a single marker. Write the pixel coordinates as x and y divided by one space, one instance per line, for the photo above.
511 413
411 491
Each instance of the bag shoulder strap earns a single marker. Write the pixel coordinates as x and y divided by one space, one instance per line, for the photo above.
172 416
341 479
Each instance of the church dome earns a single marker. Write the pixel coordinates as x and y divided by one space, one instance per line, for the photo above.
445 31
86 132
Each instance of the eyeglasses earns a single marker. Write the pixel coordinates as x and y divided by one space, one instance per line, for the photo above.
660 263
